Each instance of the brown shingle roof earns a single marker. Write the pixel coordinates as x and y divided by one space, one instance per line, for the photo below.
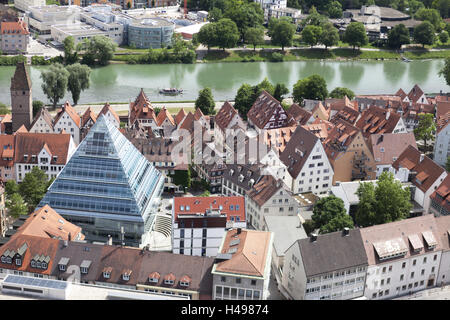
43 112
32 143
67 107
141 108
251 255
384 235
180 116
14 27
377 120
163 115
415 93
297 150
46 222
264 108
386 148
107 107
88 115
339 138
266 187
300 115
319 128
225 115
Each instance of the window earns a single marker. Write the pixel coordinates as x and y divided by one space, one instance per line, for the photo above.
84 270
62 267
384 269
390 268
238 280
425 260
435 257
253 282
18 262
403 265
223 279
432 269
106 275
412 275
414 262
423 272
402 277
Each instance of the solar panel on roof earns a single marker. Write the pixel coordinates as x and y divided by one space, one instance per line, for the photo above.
47 283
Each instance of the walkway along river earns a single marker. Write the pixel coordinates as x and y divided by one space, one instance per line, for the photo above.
122 82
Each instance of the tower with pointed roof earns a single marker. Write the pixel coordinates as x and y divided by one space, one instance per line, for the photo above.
21 98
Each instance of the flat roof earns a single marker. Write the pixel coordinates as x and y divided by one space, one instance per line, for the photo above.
35 282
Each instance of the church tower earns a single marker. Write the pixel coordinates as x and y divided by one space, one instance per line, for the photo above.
21 102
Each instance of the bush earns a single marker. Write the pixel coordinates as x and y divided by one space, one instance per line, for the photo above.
11 60
276 57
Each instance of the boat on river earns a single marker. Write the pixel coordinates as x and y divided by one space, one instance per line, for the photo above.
171 91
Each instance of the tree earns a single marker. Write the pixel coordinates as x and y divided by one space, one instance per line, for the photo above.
205 101
430 15
215 15
425 129
335 9
182 178
263 85
4 109
69 46
37 106
355 35
312 87
254 36
245 15
443 6
205 194
227 33
329 36
447 164
424 33
383 203
281 32
311 34
398 36
314 18
243 100
293 4
340 92
11 187
54 82
33 187
443 37
207 35
280 91
99 50
16 206
79 80
329 215
445 71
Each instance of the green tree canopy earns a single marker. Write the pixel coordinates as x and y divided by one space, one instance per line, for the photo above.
355 35
311 34
70 55
430 15
424 33
443 37
334 9
329 215
314 18
215 15
245 15
447 164
425 129
182 178
281 32
383 203
11 187
54 82
329 36
227 33
443 6
312 87
279 91
207 35
445 71
398 36
341 92
243 100
99 50
4 109
79 80
37 105
254 36
205 102
16 206
33 187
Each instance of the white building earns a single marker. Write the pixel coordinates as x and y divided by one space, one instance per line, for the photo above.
23 5
307 163
68 120
226 120
199 223
43 122
269 197
403 257
325 267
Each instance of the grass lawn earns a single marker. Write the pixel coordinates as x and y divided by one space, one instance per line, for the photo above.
425 54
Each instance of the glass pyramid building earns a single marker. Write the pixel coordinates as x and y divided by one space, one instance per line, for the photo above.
107 185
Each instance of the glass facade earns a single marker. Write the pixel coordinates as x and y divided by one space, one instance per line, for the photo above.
107 184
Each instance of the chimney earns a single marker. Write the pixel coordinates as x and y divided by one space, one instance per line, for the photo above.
66 243
238 231
422 156
313 237
109 240
70 237
388 114
346 231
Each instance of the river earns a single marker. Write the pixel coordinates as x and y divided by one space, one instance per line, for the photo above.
122 82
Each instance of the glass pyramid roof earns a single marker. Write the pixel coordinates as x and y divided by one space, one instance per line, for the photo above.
106 177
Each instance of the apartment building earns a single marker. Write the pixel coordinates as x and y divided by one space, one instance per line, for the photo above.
441 150
199 223
15 37
403 257
326 267
269 197
141 110
68 120
440 199
307 163
241 269
226 119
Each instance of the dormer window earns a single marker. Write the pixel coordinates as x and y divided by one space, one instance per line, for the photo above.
33 157
188 208
33 264
62 267
38 264
181 208
44 265
126 277
168 281
184 284
55 158
18 262
3 259
84 267
106 275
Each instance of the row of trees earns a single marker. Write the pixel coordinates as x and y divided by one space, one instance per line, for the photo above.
387 201
23 198
57 79
97 50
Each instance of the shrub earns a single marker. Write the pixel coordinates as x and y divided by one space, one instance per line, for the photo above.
276 57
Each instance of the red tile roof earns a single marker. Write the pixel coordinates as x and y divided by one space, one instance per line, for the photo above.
202 204
180 116
386 148
14 27
71 112
163 115
377 120
320 128
225 115
339 138
442 194
107 107
141 108
88 115
300 115
415 93
265 188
